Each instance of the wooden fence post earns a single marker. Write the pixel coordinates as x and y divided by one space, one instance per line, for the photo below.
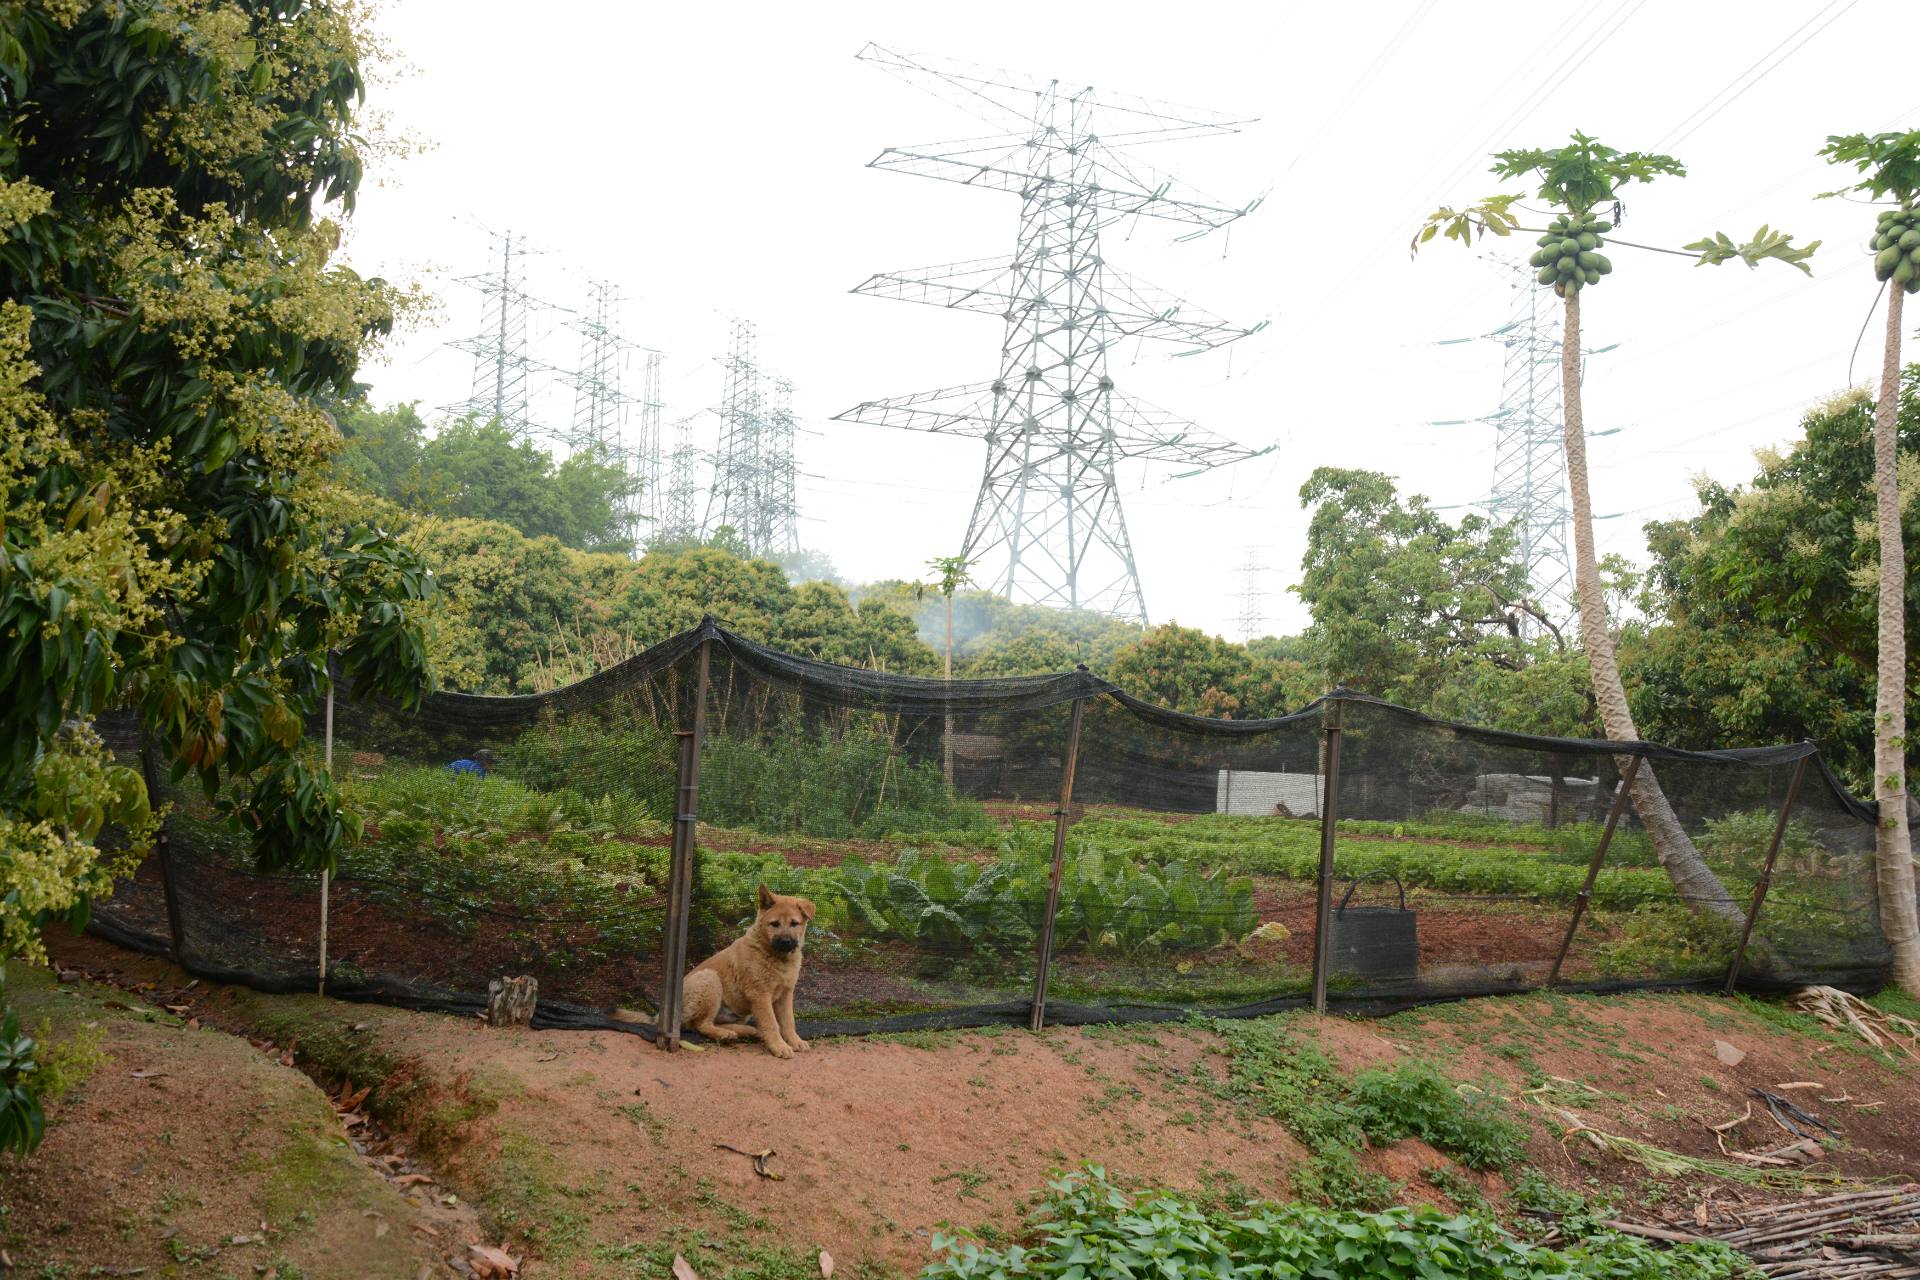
1062 817
1766 871
1593 867
686 816
1329 823
176 932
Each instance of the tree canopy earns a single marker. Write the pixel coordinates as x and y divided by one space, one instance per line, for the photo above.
174 326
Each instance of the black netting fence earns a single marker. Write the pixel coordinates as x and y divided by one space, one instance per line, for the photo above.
928 820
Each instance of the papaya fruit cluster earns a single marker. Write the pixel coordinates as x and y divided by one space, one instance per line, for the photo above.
1569 256
1896 248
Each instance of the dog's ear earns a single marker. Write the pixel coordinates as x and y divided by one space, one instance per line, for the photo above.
806 908
766 897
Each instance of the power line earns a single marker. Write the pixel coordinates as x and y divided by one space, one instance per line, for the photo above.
1671 140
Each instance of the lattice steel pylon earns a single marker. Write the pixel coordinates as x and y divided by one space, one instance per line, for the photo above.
647 451
1253 597
1047 525
602 421
780 502
676 525
1529 449
502 364
753 468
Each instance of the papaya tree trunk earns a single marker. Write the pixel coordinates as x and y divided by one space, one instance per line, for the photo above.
1893 841
946 740
1698 887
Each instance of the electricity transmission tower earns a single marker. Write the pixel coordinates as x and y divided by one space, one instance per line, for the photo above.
646 453
753 470
1047 523
1253 597
501 362
600 408
675 523
1529 446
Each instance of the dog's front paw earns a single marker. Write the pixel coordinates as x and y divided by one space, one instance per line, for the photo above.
799 1045
779 1050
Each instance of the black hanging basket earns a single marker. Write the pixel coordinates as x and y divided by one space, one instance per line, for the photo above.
1374 942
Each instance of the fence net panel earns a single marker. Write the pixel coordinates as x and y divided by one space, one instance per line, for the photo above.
920 817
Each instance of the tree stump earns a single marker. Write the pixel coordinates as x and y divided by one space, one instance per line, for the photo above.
510 1001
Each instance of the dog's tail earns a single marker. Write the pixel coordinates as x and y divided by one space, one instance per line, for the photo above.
633 1016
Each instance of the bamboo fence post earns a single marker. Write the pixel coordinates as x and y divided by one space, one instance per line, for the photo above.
176 932
1062 817
1329 823
1766 872
686 816
326 876
1593 868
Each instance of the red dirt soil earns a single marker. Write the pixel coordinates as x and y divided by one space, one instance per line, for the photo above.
882 1141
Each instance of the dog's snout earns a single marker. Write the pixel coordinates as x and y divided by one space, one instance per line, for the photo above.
785 943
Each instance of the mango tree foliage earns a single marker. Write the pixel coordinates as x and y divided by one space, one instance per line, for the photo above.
1187 670
173 320
1772 589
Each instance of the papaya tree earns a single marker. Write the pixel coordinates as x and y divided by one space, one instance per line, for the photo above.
1890 163
950 573
173 325
1578 181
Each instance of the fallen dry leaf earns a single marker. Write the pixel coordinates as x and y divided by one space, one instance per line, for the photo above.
826 1264
1700 1214
1728 1054
489 1263
682 1270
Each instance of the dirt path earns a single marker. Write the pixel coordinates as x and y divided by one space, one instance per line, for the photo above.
184 1148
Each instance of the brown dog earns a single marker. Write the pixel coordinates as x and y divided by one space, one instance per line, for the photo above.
756 975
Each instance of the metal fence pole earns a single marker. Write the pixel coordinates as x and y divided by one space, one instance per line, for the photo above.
686 816
1062 817
326 876
1593 868
1329 823
163 848
1766 871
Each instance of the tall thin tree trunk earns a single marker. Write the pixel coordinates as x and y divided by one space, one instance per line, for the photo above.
1691 876
947 740
1893 841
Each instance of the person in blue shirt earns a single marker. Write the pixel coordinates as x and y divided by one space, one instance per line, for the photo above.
479 766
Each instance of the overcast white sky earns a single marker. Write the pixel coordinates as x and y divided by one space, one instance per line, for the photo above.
711 161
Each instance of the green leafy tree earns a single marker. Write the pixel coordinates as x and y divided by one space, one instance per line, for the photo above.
1767 621
1891 165
1183 669
1577 180
820 622
1400 597
173 324
479 470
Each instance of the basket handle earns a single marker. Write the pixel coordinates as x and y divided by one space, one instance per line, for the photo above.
1373 875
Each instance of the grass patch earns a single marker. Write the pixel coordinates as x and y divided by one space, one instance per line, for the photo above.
1294 1081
